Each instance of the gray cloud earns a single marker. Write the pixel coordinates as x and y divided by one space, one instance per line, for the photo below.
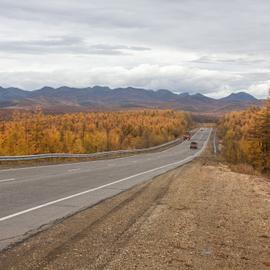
65 45
209 46
103 14
177 78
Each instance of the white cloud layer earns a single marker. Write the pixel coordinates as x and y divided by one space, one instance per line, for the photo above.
212 47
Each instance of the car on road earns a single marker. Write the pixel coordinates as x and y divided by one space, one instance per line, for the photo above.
193 145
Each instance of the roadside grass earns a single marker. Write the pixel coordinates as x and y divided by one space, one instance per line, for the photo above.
244 169
210 158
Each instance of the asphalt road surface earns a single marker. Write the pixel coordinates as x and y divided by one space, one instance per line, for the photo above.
33 198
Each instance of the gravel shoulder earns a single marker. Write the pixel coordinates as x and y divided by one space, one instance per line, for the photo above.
199 216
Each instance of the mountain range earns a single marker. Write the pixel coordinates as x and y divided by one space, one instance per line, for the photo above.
68 99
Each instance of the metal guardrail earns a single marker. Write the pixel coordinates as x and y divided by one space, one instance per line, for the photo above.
92 155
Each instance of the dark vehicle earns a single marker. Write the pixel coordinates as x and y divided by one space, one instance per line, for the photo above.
187 136
193 145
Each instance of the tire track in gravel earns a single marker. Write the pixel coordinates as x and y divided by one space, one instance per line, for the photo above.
199 216
141 200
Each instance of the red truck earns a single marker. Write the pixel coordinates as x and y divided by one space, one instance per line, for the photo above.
187 136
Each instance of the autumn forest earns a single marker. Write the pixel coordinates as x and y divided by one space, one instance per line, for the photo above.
246 137
33 133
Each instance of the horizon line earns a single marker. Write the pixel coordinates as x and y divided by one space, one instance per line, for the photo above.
134 87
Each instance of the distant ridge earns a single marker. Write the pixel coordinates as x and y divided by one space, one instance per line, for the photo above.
240 96
68 99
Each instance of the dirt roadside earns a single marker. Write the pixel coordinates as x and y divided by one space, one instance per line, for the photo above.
200 216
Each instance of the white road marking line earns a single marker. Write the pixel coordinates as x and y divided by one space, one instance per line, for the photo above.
86 191
7 180
107 185
201 137
111 165
74 170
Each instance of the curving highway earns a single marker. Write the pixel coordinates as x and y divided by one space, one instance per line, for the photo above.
35 196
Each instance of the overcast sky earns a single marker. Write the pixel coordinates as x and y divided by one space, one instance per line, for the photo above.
209 46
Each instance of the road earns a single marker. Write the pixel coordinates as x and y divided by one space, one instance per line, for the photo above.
33 198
